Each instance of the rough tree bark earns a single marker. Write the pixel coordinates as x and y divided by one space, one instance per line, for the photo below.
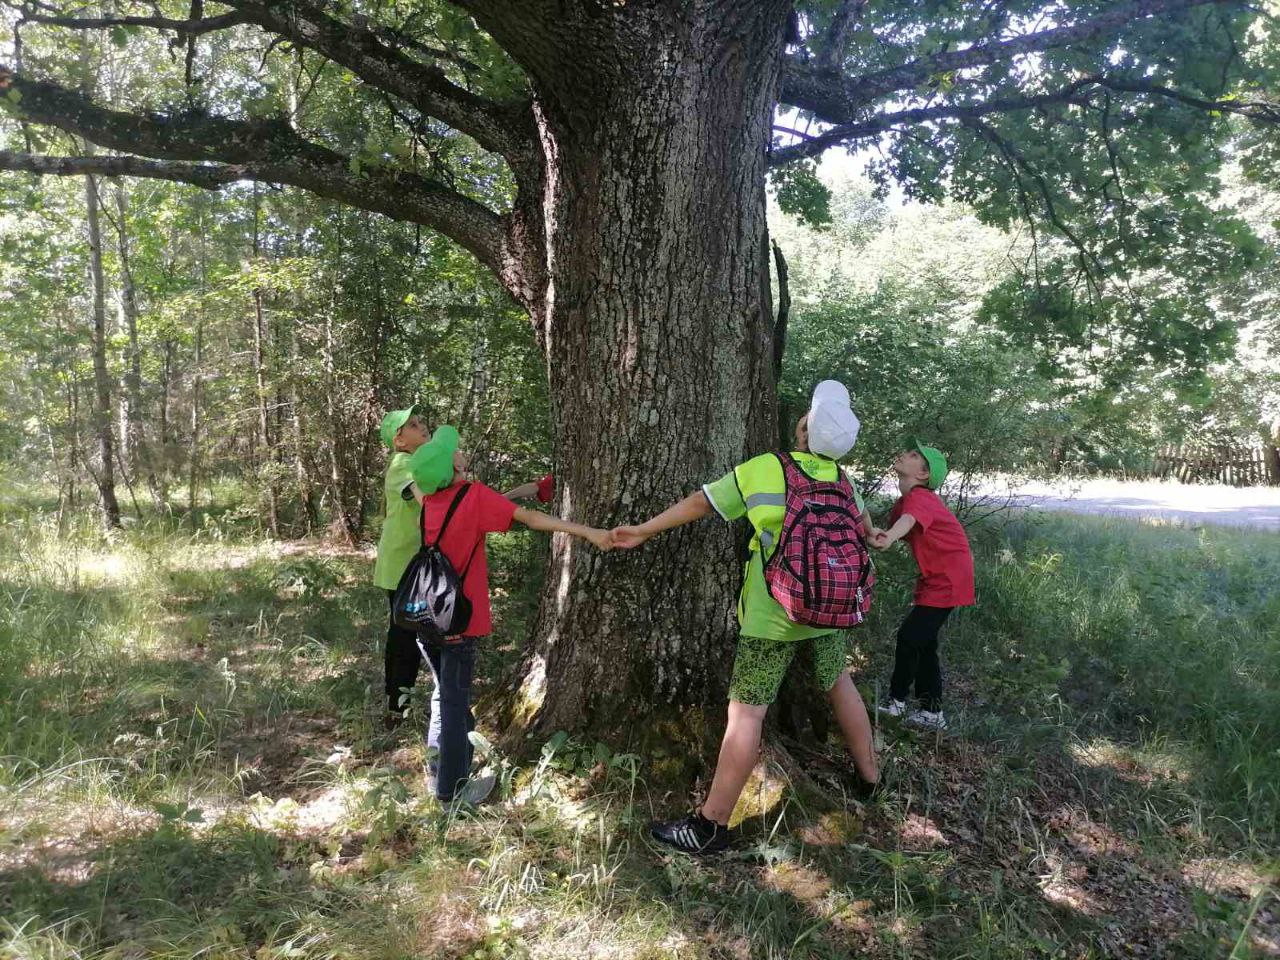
655 320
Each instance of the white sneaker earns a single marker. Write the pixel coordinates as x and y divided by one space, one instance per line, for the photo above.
929 719
895 708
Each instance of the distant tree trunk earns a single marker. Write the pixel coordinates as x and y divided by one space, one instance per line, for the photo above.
1271 453
158 475
76 457
131 409
266 455
103 420
373 398
343 522
302 472
193 473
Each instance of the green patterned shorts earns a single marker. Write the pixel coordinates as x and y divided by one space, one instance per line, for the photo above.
760 666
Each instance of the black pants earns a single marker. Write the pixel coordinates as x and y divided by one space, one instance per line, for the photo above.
401 659
916 660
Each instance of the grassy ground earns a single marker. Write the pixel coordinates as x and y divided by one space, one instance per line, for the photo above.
191 765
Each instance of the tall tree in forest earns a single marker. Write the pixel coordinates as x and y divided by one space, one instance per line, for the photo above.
628 213
131 407
103 415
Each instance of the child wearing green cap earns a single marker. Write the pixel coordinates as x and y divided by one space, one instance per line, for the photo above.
941 550
403 433
457 515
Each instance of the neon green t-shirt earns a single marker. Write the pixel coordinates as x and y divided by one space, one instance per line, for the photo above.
401 535
757 490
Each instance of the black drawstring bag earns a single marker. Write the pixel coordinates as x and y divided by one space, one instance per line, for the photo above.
429 598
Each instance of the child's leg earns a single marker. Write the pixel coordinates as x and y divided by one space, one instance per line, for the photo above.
851 713
433 721
928 668
739 751
830 654
400 661
906 659
758 669
454 665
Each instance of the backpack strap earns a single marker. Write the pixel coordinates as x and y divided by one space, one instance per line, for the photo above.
453 506
791 472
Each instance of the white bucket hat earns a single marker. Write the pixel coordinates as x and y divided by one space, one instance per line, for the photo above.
833 426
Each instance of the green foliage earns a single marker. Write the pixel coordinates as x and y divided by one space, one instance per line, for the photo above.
1105 374
801 194
972 395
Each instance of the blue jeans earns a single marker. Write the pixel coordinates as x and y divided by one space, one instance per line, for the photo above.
452 666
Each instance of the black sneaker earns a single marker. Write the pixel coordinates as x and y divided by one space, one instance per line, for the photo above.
694 834
866 791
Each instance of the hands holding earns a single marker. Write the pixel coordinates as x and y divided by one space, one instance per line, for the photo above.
602 540
879 539
619 538
628 538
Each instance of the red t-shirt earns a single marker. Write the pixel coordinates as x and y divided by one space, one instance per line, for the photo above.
481 511
547 488
940 547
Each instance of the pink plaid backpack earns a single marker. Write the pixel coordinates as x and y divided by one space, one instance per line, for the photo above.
821 570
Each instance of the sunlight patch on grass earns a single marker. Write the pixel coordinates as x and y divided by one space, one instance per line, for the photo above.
1131 763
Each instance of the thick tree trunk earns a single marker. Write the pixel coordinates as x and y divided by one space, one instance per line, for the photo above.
656 322
103 424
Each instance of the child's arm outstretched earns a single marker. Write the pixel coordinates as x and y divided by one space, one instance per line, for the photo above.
536 520
526 491
895 533
691 508
865 524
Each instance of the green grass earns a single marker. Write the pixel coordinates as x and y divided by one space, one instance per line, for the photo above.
191 765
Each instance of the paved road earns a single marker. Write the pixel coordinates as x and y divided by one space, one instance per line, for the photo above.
1255 507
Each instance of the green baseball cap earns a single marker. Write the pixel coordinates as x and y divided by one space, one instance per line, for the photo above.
431 465
936 461
391 425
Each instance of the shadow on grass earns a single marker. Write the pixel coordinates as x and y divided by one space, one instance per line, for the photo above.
229 889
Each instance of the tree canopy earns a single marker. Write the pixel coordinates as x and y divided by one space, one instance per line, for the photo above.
1100 122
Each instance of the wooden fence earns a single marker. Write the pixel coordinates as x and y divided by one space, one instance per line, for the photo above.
1236 466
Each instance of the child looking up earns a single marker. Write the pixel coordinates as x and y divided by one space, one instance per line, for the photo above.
941 550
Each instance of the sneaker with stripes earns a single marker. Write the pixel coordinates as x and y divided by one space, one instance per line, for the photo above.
693 834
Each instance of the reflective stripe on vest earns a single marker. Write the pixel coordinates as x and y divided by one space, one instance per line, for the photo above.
764 490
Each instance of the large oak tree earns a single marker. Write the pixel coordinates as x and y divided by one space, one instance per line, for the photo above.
608 160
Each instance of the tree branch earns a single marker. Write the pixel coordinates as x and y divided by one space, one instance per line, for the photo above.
194 27
217 150
1077 93
1263 111
837 99
836 40
885 122
505 129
